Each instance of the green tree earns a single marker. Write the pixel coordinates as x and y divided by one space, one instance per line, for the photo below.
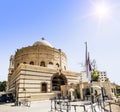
95 77
3 86
94 72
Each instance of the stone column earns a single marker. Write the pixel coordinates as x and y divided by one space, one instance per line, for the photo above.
81 90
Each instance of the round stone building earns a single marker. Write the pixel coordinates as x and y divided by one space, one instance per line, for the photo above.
38 72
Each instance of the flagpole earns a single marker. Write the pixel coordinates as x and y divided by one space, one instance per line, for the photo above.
86 57
90 83
88 68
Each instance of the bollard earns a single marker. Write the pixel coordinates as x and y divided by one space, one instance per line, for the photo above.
84 107
110 107
75 108
67 107
51 104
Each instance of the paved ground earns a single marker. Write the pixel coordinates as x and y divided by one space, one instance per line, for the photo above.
44 106
38 106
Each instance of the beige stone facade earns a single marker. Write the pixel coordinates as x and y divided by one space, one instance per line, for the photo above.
106 88
38 72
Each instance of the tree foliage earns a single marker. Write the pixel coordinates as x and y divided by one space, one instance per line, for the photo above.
94 72
95 76
3 86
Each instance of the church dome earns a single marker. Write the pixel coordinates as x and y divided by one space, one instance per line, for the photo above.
42 54
42 42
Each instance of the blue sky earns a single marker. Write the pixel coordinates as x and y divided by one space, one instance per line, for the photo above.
66 24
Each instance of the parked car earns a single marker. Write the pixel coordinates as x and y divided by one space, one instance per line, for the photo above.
4 98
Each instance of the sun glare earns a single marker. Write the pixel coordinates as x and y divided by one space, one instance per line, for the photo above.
101 10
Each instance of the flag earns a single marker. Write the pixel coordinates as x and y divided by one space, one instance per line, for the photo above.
89 68
86 54
87 64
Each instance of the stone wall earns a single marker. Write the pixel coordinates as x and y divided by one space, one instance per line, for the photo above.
37 54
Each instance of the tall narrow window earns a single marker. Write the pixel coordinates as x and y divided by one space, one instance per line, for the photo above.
44 87
64 67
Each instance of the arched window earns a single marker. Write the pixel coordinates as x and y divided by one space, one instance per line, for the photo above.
44 87
42 64
57 64
31 63
24 62
51 63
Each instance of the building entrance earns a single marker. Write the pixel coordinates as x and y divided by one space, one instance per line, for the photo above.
57 81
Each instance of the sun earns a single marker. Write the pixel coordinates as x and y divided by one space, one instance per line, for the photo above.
101 10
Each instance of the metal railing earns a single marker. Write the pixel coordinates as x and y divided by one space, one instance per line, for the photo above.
61 104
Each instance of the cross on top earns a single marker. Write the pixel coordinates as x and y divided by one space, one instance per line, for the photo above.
43 38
